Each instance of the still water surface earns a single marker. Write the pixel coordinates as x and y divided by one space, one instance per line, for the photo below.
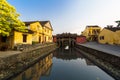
64 65
71 65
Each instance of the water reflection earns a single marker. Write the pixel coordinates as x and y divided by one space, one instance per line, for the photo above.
64 54
64 65
70 54
42 68
71 65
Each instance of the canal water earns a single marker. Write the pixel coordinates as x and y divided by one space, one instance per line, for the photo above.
64 65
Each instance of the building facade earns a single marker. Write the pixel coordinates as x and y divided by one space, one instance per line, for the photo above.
91 32
37 36
109 35
23 38
15 38
42 31
37 32
47 31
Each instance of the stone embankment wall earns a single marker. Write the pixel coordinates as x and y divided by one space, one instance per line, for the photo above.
37 70
109 63
15 64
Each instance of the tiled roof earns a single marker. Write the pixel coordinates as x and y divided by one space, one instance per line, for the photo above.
44 22
29 22
66 35
30 31
41 22
93 26
113 28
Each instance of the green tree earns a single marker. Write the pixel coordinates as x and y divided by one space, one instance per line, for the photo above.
9 19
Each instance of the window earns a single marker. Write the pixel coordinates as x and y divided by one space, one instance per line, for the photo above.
24 38
98 31
101 37
39 39
45 39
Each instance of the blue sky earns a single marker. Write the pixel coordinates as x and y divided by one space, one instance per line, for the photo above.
69 15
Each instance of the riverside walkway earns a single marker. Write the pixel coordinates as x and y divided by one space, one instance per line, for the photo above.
110 49
8 53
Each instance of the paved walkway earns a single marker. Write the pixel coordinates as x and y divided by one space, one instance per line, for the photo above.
8 53
28 48
111 49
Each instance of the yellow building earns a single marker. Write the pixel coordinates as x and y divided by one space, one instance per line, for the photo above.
91 32
47 31
109 35
38 32
36 27
23 38
42 31
15 38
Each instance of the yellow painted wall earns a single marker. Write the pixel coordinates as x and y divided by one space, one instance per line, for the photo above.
41 33
118 37
18 38
38 30
36 27
88 32
85 33
35 37
118 33
47 31
110 37
48 34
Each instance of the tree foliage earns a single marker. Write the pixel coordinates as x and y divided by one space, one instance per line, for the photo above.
9 19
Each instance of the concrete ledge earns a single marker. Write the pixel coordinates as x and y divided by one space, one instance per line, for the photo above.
110 49
102 55
107 62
